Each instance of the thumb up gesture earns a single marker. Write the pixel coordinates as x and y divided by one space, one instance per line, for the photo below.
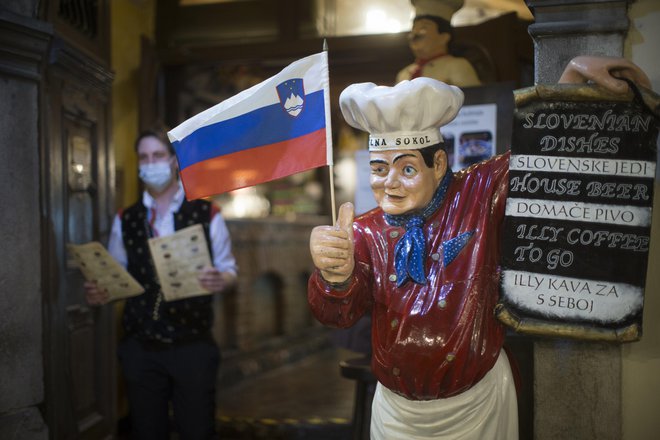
332 247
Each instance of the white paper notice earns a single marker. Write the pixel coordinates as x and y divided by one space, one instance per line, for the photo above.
471 136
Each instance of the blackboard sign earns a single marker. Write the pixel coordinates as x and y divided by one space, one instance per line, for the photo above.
578 214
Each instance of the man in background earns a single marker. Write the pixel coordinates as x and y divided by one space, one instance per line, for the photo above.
168 354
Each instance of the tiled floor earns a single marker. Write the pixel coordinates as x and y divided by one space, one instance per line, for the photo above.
308 399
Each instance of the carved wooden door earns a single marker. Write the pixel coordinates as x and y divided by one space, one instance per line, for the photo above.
77 192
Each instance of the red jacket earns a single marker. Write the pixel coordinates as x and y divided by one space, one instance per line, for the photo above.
438 339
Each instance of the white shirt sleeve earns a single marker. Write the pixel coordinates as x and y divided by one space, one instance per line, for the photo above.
223 259
116 242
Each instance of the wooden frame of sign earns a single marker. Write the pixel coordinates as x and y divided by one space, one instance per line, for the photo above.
578 214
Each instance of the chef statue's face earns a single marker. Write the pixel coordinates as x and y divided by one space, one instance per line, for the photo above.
425 41
402 182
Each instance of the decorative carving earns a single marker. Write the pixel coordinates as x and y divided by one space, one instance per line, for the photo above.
23 45
81 15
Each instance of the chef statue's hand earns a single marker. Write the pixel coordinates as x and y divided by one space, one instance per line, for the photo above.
604 71
332 247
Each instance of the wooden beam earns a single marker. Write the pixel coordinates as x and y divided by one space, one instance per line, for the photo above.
378 49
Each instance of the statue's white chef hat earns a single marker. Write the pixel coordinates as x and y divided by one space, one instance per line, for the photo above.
404 117
437 8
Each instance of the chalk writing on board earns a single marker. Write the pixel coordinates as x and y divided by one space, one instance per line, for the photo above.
578 214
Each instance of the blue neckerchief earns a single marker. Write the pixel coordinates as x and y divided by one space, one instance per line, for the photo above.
410 251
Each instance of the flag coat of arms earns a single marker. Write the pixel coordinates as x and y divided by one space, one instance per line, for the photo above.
276 128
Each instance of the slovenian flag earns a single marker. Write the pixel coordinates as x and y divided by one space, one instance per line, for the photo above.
276 128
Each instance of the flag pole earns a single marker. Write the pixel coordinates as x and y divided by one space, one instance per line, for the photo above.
332 194
331 170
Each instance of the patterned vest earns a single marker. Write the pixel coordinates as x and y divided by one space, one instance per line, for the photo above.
147 316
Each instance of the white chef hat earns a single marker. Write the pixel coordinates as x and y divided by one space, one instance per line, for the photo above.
404 117
437 8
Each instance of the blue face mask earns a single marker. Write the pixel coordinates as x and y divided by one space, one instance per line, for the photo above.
156 175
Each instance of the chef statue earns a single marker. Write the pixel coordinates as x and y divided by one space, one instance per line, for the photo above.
425 263
429 41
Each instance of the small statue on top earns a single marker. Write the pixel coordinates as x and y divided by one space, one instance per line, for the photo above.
429 41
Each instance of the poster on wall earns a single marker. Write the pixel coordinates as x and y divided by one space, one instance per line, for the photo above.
472 136
578 215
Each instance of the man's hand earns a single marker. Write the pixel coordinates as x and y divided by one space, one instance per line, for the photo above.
95 296
213 280
604 71
332 247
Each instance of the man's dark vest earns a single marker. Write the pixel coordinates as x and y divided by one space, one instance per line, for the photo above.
147 316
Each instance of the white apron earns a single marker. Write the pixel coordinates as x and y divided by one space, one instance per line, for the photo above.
487 411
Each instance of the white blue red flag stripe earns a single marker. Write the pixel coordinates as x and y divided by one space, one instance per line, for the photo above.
274 129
